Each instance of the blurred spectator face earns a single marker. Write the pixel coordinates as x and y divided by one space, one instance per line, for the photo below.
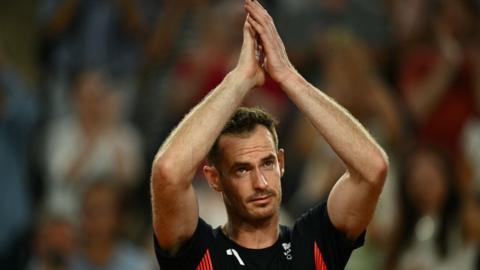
456 17
55 243
427 182
100 213
91 94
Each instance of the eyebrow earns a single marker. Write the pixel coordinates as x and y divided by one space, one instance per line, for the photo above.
237 165
247 164
269 157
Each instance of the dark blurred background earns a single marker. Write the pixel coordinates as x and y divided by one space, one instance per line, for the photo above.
89 89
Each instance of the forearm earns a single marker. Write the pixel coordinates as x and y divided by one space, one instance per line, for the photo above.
190 141
347 137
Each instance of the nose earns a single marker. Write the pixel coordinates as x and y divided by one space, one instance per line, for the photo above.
259 180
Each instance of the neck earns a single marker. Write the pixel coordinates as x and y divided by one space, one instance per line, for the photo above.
254 235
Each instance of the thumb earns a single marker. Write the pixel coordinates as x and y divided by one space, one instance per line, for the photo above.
250 28
248 34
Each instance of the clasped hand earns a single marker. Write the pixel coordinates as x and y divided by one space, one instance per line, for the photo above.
263 50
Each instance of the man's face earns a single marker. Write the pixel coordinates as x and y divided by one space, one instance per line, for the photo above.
250 172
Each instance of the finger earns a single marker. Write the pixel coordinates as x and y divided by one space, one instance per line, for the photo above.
250 28
255 17
263 40
257 3
263 19
259 12
248 34
254 3
265 25
261 16
254 12
257 27
265 36
270 40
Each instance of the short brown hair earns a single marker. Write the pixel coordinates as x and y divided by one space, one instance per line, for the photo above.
244 121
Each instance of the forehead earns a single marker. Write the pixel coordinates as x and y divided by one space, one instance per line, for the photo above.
246 146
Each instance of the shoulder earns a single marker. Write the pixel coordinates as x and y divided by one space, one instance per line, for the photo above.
315 225
313 233
313 217
192 252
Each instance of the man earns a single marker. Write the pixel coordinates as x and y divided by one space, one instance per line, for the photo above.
245 166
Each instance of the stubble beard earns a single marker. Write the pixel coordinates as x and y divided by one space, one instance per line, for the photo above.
246 211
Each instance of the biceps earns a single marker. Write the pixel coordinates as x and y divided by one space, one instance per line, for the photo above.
351 204
175 215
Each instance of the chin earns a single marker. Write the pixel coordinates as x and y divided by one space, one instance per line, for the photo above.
263 213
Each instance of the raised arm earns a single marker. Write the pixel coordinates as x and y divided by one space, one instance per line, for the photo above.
352 200
174 205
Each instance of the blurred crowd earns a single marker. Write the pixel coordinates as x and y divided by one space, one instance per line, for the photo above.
87 101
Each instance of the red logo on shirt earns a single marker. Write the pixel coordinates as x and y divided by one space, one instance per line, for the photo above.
319 262
206 262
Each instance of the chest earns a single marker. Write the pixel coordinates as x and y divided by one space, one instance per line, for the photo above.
281 257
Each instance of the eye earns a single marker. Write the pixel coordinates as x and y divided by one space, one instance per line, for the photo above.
269 163
242 171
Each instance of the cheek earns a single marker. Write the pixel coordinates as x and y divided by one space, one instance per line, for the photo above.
237 192
274 179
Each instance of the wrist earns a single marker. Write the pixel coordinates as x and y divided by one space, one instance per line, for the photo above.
290 78
241 79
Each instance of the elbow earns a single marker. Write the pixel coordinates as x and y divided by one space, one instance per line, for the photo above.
163 170
377 174
168 171
380 168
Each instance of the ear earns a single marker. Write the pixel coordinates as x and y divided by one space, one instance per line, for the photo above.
281 160
213 177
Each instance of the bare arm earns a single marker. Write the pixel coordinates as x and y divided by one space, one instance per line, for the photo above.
175 209
353 199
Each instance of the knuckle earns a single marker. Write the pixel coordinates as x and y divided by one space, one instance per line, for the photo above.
265 17
269 18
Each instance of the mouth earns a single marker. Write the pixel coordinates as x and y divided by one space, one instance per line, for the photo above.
261 199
